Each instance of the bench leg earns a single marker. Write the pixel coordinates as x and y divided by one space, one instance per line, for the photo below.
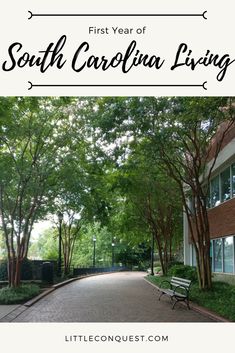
162 293
187 302
175 302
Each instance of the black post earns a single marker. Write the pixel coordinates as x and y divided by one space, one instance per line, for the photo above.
152 255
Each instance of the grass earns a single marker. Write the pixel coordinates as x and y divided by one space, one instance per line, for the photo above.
18 295
220 298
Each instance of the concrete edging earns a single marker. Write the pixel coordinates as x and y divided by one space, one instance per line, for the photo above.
197 308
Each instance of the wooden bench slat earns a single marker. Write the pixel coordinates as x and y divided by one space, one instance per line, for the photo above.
177 283
176 279
182 279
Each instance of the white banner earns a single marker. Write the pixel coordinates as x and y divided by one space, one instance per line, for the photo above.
117 48
124 337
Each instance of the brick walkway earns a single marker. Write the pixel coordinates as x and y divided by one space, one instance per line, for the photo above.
118 297
6 309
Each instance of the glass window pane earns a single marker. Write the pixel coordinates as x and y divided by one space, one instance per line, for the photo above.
215 198
194 259
228 255
211 255
218 255
225 185
191 206
233 178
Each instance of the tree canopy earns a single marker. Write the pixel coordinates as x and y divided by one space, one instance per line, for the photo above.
123 167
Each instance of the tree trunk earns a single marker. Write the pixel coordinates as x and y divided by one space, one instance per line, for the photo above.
17 272
14 272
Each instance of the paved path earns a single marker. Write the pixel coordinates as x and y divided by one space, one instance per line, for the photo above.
6 309
118 297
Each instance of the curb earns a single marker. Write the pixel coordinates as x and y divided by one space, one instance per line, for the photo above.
38 297
197 308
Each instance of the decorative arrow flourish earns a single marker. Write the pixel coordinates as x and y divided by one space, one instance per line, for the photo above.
32 85
31 15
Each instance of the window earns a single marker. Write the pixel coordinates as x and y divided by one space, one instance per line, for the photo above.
225 185
215 196
222 187
223 252
233 178
218 248
194 259
228 254
211 255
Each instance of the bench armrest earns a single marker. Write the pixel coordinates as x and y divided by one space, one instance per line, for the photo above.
165 281
182 287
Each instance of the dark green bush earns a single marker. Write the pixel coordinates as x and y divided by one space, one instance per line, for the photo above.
47 272
26 270
184 271
18 295
3 271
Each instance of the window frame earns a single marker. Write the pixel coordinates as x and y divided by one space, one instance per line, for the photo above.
232 188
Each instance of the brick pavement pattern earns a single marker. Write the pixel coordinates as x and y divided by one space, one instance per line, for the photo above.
117 297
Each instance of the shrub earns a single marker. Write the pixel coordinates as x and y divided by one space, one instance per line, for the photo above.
26 270
18 295
157 269
184 271
3 271
47 272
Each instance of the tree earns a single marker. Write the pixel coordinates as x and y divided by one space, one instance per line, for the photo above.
152 201
153 206
70 231
30 141
180 132
194 131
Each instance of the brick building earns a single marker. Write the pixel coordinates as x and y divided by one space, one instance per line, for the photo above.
221 211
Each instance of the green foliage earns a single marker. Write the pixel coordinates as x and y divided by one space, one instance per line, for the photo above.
26 270
101 157
18 295
45 247
133 255
183 271
157 269
3 271
84 248
123 252
218 299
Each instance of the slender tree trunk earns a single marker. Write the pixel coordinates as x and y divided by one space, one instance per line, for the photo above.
17 277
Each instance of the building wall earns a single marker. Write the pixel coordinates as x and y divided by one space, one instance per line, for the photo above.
222 219
221 216
229 136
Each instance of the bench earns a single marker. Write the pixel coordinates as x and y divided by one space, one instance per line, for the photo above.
178 289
